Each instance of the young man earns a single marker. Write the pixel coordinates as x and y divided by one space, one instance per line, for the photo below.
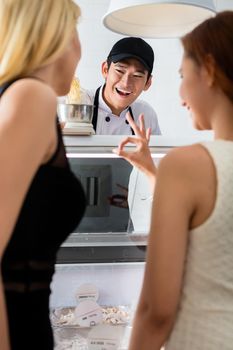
127 72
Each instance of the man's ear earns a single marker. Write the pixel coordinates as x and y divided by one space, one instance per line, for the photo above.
148 83
104 69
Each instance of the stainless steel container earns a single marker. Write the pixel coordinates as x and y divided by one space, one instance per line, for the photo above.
71 113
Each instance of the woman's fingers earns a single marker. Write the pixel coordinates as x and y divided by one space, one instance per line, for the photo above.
133 124
145 133
140 141
142 123
121 153
139 130
127 140
148 133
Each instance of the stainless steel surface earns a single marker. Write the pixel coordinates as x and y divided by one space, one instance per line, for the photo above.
72 113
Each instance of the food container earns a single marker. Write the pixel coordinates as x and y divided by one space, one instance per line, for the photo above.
72 113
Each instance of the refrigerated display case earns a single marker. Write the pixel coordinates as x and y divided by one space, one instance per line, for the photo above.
100 267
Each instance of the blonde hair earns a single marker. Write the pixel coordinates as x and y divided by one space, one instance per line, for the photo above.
33 34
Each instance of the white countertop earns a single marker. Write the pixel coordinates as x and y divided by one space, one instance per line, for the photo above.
114 140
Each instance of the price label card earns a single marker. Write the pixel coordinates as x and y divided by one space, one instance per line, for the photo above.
105 337
87 291
88 313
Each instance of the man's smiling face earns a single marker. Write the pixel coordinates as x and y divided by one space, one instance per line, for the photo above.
125 80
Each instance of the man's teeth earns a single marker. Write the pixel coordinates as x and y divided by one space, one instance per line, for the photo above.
124 92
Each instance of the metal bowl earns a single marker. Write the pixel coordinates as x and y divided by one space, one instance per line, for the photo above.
72 113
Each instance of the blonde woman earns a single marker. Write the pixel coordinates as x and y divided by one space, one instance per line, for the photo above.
186 301
41 201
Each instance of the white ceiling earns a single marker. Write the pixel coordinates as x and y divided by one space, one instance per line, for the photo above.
223 5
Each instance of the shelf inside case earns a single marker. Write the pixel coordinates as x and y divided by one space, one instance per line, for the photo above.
102 248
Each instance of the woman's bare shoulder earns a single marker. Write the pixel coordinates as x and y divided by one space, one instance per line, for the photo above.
25 85
188 155
186 160
28 96
28 111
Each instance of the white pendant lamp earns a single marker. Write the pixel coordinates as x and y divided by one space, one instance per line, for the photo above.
156 18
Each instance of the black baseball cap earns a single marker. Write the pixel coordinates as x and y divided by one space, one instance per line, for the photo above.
131 47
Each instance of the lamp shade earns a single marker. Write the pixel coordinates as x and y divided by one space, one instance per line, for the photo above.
156 18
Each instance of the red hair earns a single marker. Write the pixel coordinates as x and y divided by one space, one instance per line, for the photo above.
214 38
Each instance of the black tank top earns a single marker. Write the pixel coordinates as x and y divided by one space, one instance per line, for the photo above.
53 206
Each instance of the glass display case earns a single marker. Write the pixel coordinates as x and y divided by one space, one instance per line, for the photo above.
100 267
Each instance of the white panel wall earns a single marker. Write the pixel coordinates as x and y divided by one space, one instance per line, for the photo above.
164 93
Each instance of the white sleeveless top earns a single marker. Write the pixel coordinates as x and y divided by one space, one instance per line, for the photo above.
205 316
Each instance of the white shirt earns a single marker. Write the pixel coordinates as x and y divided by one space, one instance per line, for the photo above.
117 124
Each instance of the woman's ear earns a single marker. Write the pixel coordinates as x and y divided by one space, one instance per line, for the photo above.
104 69
210 70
